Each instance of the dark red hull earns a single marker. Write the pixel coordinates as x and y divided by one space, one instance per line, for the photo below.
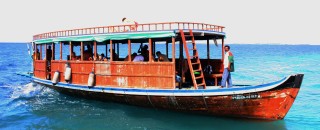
270 104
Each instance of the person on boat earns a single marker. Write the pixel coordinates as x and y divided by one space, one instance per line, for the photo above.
73 56
89 50
228 64
138 58
87 54
49 54
134 24
115 56
36 55
101 57
161 57
144 52
132 57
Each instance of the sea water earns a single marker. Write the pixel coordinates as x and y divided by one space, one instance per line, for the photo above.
24 105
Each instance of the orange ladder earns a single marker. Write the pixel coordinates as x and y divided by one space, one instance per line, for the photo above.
193 61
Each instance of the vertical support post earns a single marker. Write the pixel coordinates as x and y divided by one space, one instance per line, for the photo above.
106 49
60 50
167 47
81 50
173 61
111 51
45 52
53 51
129 50
95 49
153 47
181 63
46 62
222 49
118 49
173 50
208 50
40 52
71 50
150 52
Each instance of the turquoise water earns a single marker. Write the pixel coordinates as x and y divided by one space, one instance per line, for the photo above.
28 106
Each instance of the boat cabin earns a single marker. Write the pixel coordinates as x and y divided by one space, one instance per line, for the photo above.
173 55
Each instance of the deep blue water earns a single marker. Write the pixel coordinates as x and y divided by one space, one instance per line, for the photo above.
25 105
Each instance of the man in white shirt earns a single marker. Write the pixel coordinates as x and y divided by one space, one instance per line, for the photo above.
228 66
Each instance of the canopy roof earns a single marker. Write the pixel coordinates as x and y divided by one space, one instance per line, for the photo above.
109 36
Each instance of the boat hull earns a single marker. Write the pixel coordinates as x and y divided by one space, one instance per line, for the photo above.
269 104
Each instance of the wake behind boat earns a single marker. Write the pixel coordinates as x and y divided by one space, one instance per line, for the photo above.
101 71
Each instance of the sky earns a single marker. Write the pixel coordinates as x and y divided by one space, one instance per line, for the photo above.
246 21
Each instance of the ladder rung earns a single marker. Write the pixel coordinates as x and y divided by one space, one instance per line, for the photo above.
199 77
199 70
196 63
189 42
193 49
202 84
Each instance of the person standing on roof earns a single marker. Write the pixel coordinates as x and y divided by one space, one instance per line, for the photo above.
228 65
134 24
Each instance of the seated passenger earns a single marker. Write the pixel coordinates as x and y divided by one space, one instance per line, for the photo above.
102 58
161 57
96 57
87 55
36 55
132 57
144 52
115 56
138 58
73 56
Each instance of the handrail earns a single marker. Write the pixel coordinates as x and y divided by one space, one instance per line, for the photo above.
130 28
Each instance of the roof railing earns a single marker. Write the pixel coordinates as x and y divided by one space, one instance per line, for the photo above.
130 28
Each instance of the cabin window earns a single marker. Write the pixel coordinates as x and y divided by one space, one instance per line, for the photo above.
48 52
215 50
57 51
123 52
165 51
177 46
65 51
43 52
76 50
101 51
88 51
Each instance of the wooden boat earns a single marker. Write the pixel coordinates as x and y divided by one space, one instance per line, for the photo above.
152 83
